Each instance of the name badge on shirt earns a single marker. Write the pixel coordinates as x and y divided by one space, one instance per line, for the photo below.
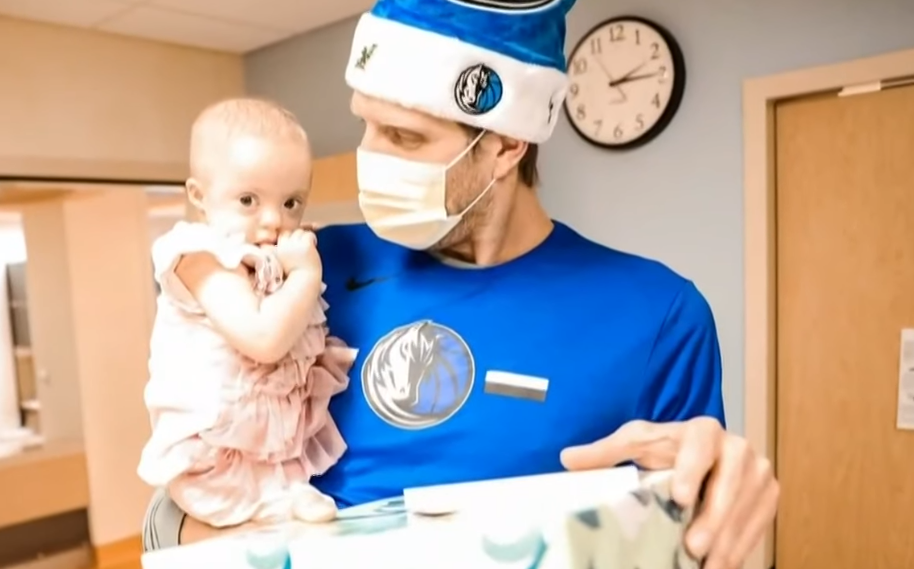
516 385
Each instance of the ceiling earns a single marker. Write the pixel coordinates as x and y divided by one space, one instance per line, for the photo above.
235 26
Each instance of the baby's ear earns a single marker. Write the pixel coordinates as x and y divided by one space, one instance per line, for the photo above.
194 192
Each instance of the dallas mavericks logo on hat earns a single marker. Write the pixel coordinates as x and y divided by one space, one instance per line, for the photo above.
477 90
497 65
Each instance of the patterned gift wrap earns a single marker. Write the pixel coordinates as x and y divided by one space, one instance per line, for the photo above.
642 529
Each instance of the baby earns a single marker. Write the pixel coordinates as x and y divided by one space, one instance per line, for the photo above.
241 368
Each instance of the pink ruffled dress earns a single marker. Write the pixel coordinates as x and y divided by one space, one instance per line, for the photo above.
234 440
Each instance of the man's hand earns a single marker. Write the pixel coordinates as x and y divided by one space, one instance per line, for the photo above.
741 496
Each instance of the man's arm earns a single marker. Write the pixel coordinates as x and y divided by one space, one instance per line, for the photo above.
684 369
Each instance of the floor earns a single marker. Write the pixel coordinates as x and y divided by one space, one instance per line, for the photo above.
77 559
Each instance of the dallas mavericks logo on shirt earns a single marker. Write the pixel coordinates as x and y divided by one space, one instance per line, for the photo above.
508 5
478 90
418 375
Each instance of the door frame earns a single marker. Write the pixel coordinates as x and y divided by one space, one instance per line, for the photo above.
759 97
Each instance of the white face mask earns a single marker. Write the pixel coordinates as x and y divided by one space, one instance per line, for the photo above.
404 201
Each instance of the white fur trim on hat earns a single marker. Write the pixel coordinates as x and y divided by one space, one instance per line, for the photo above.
439 75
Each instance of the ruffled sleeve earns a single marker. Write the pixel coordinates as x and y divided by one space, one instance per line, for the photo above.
186 238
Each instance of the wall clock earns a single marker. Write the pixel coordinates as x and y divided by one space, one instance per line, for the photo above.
626 80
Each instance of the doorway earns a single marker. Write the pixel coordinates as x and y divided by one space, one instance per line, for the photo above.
829 289
845 290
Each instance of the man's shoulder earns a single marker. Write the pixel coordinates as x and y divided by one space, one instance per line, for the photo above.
625 282
352 235
618 268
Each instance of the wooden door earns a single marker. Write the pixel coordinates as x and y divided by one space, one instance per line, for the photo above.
845 290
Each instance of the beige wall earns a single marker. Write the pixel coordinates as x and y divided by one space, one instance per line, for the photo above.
77 103
91 308
86 104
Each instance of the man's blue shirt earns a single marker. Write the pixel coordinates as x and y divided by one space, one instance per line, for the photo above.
474 373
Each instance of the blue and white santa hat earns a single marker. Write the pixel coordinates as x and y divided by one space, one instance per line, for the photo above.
498 65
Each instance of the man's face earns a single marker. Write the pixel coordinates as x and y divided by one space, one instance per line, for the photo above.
413 135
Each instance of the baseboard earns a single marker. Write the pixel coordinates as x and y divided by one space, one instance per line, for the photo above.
45 537
119 552
79 558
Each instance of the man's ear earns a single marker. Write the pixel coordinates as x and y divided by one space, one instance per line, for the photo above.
194 194
509 155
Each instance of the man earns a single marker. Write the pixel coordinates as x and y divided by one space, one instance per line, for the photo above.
494 341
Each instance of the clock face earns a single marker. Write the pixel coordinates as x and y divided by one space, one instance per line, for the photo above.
627 78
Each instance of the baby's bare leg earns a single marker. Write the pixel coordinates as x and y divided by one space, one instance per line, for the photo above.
312 506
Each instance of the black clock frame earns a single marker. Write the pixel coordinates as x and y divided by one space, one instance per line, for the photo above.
676 94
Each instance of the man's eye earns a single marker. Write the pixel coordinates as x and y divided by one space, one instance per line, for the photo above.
247 201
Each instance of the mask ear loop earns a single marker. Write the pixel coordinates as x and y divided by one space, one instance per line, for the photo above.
477 198
460 156
466 150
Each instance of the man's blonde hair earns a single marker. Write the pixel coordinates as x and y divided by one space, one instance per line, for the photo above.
249 116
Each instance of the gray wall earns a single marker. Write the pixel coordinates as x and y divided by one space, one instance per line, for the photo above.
679 199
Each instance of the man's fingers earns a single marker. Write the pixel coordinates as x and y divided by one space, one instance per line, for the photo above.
601 454
723 492
604 453
651 445
759 521
698 450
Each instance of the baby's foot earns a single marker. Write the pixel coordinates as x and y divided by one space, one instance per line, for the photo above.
314 507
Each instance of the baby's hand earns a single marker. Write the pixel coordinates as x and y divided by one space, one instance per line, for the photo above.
298 251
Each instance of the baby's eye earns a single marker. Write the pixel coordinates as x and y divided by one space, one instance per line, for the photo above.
292 203
247 201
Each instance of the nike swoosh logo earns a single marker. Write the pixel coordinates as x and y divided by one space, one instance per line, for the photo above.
353 285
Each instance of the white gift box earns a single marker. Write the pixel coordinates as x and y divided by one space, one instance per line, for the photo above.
602 519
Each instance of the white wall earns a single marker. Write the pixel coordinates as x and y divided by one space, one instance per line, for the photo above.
12 240
12 250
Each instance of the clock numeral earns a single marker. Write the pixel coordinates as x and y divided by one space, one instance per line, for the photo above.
637 37
598 124
596 46
618 132
617 33
580 112
574 89
656 100
662 72
639 122
655 50
579 66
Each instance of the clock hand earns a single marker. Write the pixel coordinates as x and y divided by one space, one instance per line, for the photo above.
611 81
627 75
605 71
623 100
630 78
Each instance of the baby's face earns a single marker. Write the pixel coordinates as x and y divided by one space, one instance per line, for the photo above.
257 187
